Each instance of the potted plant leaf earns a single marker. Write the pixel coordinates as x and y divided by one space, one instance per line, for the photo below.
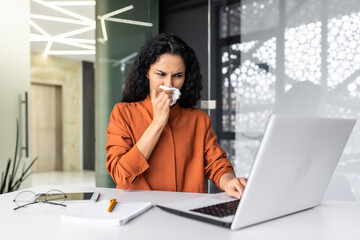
9 182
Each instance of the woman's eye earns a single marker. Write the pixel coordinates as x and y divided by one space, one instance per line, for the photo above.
178 75
161 74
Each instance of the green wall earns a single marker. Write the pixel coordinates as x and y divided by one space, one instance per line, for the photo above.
123 40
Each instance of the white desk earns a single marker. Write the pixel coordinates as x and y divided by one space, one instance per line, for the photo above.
331 220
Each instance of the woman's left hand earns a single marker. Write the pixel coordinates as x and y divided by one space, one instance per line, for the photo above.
233 186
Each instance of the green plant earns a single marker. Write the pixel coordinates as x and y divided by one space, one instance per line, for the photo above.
9 176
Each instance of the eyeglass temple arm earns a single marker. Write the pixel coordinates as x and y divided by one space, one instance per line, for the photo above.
59 204
25 205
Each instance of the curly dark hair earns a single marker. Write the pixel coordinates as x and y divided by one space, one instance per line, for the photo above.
137 83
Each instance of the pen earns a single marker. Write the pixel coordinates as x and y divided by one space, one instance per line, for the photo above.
112 204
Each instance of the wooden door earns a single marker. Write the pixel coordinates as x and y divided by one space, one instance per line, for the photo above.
46 127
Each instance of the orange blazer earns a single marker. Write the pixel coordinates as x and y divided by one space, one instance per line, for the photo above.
186 152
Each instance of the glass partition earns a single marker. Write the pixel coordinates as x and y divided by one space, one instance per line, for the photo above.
122 27
290 57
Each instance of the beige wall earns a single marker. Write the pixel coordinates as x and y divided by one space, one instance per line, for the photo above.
67 74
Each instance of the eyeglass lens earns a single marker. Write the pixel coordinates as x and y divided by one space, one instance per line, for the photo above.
25 197
55 196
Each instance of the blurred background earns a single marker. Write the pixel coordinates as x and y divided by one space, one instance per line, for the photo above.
64 65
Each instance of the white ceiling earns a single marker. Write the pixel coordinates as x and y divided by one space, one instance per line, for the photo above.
63 28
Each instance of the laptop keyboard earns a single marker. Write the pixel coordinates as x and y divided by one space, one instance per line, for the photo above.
219 210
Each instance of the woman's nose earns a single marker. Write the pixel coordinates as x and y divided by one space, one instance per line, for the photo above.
168 82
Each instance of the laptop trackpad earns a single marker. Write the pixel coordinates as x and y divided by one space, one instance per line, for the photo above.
222 196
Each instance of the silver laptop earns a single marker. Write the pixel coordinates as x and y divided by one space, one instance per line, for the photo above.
291 171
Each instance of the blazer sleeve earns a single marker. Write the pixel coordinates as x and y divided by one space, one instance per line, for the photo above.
124 161
216 162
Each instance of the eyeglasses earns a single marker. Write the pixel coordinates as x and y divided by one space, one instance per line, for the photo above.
27 197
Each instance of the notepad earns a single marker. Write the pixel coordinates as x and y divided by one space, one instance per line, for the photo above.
97 213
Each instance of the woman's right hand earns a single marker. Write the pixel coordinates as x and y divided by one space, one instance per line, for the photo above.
161 107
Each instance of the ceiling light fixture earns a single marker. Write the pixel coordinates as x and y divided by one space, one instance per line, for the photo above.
103 29
64 38
89 25
75 44
121 10
41 38
104 17
64 11
58 19
108 17
120 20
66 41
71 52
47 48
125 59
37 27
74 3
75 32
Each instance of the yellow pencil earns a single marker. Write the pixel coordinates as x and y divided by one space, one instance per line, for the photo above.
112 204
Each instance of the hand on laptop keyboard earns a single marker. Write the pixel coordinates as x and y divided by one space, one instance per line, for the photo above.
233 186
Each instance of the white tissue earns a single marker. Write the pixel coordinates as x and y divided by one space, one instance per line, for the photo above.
176 93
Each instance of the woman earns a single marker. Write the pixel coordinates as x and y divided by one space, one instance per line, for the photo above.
154 146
